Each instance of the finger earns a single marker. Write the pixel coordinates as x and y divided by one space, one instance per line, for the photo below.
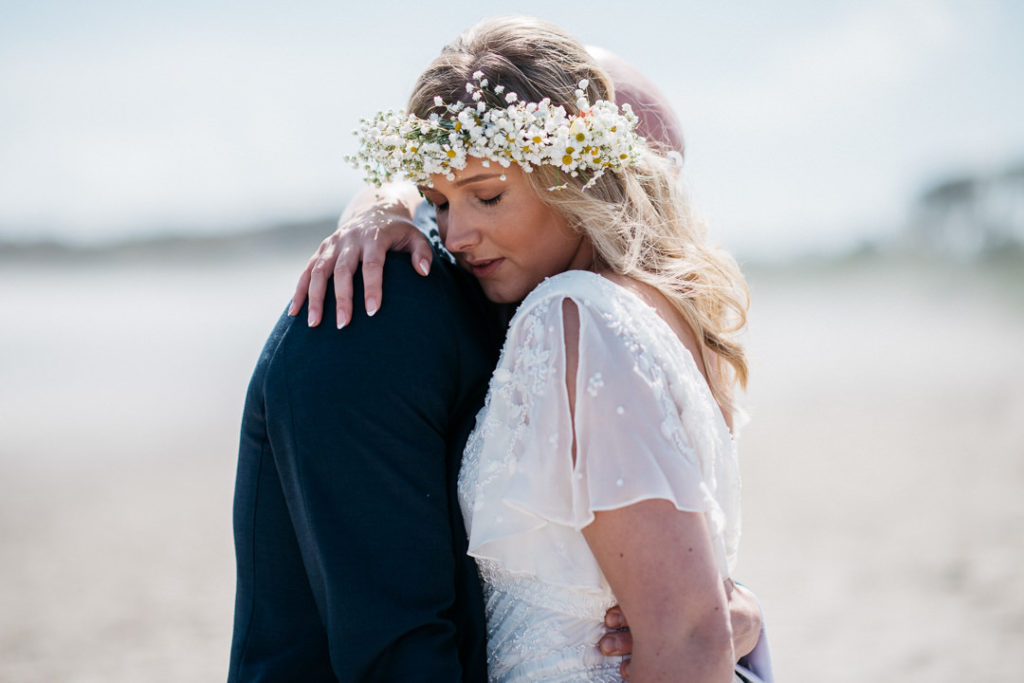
299 296
624 668
344 271
615 618
616 643
374 254
317 290
422 257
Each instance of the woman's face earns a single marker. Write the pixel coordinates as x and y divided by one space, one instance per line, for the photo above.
501 232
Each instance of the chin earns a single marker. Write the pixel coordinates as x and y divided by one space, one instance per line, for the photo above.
502 295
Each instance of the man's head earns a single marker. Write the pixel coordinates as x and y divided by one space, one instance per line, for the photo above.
658 121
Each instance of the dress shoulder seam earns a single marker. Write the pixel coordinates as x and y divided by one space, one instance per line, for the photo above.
578 285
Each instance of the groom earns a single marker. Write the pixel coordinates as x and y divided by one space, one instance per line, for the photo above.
350 544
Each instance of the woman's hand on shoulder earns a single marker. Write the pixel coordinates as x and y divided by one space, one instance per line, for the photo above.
375 222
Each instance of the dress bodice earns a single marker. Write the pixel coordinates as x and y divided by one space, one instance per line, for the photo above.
645 426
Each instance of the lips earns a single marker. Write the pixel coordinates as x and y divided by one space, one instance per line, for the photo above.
484 267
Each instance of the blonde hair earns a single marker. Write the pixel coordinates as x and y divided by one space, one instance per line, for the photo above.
638 219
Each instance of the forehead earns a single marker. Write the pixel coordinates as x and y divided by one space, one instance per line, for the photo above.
476 169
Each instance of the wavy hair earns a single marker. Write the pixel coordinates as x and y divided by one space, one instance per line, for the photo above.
638 218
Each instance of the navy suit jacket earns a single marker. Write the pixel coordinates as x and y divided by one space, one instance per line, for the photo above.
350 545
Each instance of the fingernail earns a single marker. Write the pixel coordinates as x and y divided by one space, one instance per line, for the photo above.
371 307
291 309
342 320
424 266
311 319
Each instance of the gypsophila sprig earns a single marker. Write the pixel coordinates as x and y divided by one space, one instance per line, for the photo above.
395 145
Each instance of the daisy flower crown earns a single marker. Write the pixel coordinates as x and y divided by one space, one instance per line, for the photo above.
395 145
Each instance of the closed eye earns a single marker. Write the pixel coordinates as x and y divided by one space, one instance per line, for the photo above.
493 200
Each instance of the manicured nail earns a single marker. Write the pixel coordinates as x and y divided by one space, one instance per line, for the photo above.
291 309
311 319
371 307
342 320
424 267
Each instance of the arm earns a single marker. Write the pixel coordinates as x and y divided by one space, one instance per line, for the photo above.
375 221
660 565
744 617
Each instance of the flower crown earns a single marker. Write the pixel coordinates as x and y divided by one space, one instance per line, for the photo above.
599 138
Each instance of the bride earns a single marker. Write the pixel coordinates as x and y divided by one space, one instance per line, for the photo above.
602 469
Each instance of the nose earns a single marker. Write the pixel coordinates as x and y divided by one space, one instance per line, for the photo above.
458 231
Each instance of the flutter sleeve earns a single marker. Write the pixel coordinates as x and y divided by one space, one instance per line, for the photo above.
531 498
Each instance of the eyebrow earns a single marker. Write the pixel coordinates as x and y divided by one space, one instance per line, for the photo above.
477 177
465 181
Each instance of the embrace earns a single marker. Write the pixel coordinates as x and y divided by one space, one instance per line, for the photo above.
520 466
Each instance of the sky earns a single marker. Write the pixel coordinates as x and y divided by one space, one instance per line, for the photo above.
809 125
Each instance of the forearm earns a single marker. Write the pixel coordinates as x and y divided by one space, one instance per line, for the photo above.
396 201
703 655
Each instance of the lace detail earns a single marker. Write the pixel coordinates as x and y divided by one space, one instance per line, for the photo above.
525 501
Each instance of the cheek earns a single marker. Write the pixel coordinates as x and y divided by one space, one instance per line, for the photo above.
442 225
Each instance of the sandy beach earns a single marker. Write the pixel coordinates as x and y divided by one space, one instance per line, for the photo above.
883 466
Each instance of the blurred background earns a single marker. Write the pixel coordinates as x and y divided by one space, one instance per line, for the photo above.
166 169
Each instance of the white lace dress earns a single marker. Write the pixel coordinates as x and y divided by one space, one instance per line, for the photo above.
647 427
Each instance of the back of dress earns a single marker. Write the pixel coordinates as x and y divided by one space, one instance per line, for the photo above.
646 426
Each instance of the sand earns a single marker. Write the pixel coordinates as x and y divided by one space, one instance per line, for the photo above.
882 467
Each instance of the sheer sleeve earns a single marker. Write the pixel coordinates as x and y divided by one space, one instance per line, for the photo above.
641 431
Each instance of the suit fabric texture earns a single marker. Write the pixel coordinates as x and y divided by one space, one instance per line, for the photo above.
350 545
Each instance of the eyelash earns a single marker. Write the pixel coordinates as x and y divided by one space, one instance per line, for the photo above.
486 202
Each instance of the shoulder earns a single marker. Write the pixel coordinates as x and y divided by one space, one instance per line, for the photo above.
414 307
426 331
579 300
586 289
569 314
444 287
